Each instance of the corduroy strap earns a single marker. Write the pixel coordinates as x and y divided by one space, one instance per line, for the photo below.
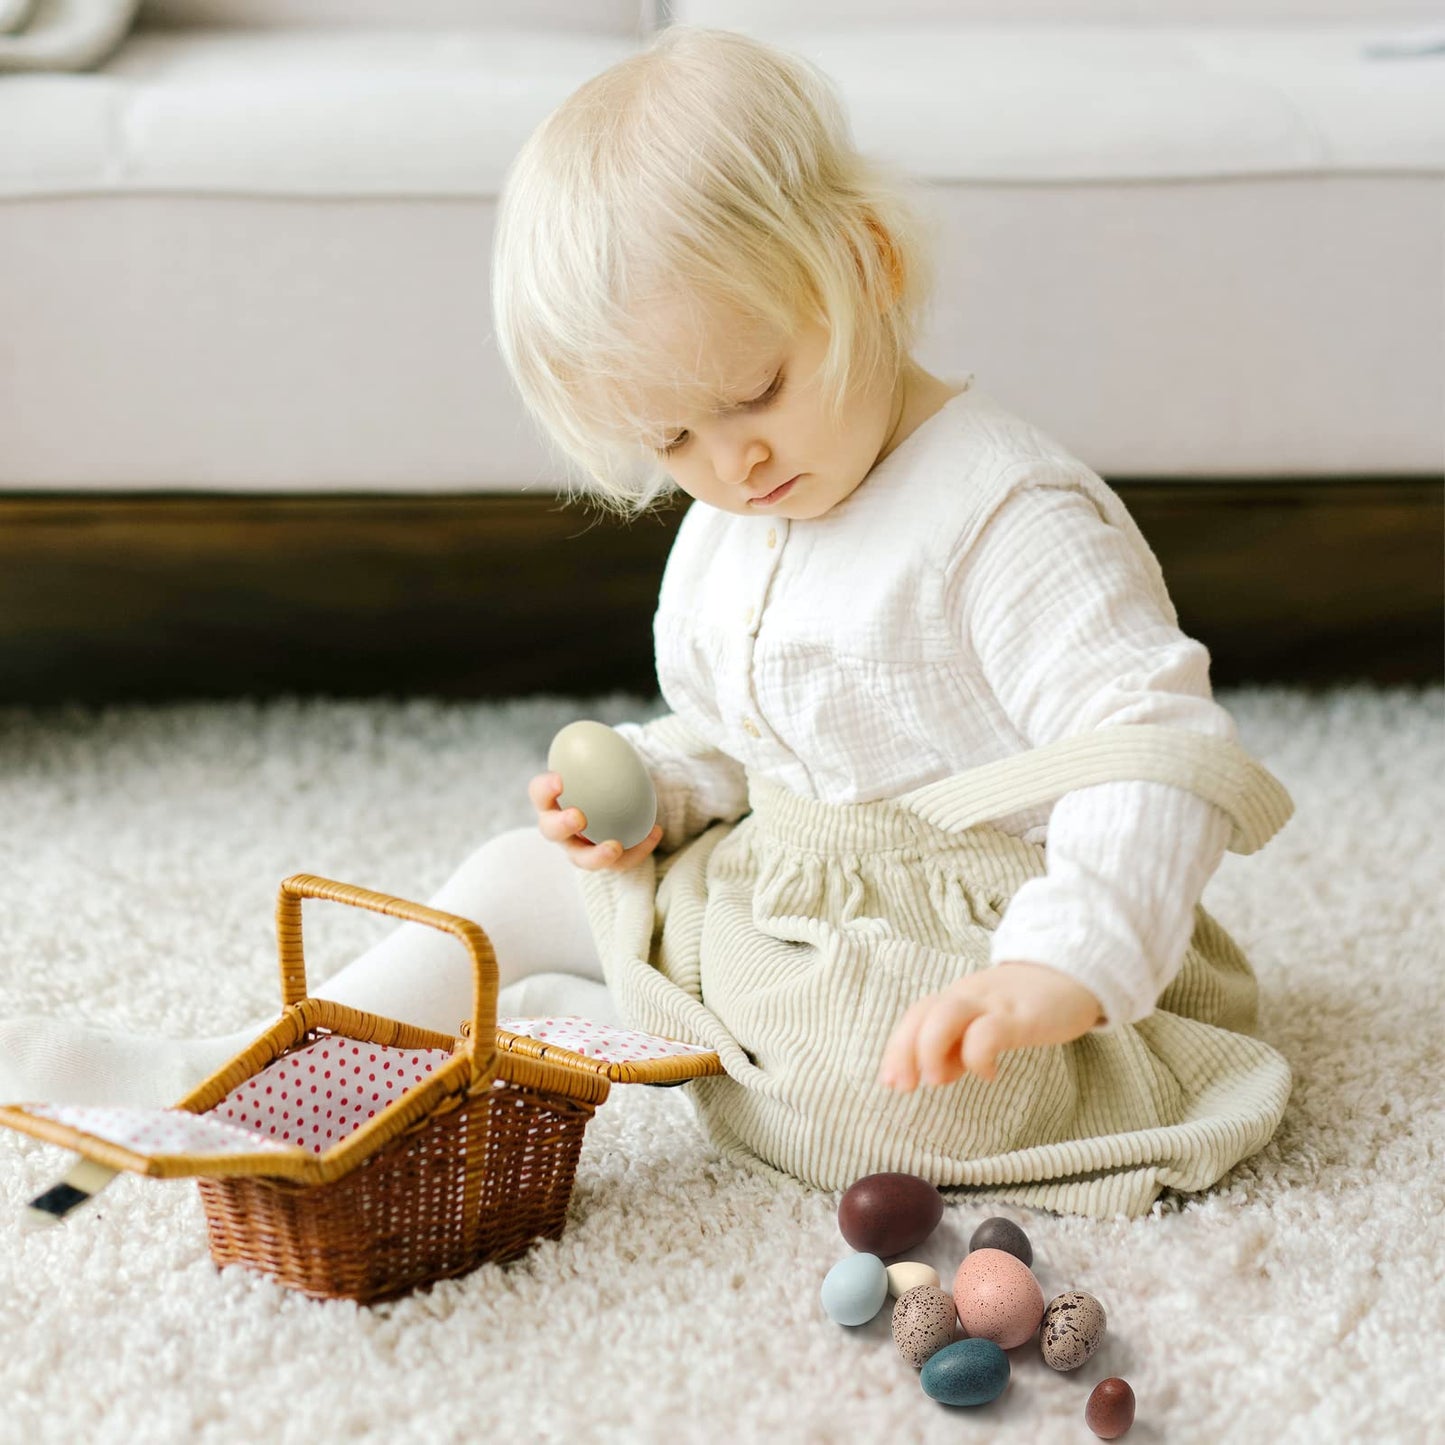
1215 768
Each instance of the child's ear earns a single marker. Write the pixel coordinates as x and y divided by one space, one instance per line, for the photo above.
889 252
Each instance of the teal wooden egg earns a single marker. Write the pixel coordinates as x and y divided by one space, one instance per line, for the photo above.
854 1289
967 1372
604 776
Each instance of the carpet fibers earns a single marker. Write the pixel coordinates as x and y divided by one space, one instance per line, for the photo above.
1302 1299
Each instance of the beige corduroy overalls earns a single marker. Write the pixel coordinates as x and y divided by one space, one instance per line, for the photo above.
792 941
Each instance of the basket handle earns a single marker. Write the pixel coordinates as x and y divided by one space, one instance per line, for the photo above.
482 1041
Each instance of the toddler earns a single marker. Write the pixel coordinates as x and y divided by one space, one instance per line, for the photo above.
940 782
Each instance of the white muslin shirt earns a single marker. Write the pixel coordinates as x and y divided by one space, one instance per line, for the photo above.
982 592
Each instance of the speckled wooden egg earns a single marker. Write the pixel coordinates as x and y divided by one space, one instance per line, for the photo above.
924 1321
997 1297
888 1213
1073 1328
1110 1411
1001 1233
967 1372
907 1274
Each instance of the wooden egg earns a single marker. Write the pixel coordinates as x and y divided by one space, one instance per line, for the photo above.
1110 1411
604 776
888 1213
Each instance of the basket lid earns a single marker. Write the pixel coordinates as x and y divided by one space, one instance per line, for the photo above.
622 1055
308 1114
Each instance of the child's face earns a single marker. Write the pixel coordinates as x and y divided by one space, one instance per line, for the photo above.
773 428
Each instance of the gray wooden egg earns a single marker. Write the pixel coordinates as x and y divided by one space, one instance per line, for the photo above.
924 1321
603 775
1072 1329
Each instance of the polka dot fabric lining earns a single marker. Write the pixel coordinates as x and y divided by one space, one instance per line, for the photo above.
310 1100
599 1041
316 1096
319 1094
157 1132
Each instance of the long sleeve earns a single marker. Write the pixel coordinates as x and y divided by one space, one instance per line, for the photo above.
1070 636
697 784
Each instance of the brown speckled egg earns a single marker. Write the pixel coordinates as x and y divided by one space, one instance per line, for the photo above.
1073 1328
997 1297
924 1321
1110 1411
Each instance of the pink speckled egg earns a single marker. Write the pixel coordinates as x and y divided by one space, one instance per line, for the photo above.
997 1298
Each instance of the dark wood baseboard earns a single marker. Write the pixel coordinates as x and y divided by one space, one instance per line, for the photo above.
153 597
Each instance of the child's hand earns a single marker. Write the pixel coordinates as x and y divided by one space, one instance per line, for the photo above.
559 826
971 1022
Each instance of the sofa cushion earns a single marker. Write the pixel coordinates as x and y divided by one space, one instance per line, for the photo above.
826 14
614 17
360 112
307 112
1116 102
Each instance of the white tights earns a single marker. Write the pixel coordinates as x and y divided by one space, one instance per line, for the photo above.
520 888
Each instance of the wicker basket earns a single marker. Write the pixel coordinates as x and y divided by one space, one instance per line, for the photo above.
472 1168
352 1156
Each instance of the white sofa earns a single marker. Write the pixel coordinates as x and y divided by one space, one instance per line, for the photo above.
1192 238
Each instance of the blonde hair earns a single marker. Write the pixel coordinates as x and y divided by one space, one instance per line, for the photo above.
718 171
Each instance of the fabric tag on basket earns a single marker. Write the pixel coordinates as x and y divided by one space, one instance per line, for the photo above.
627 1056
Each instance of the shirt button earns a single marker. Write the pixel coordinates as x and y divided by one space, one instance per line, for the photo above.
750 726
772 536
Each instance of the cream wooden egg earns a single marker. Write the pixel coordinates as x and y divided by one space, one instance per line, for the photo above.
603 775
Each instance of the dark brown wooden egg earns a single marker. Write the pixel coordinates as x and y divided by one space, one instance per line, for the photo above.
887 1214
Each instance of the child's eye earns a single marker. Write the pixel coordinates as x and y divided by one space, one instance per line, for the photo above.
769 395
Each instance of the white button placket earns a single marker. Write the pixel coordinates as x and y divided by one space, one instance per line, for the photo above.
751 614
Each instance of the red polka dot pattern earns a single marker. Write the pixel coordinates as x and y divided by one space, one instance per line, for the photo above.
156 1132
319 1094
310 1099
599 1041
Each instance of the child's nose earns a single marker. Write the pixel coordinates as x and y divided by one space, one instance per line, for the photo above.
737 463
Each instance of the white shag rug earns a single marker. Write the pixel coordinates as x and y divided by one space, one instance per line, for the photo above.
1303 1299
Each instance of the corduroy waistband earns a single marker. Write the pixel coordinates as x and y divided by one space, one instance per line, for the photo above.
809 824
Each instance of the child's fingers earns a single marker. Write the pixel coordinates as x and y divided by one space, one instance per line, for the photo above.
610 853
542 791
939 1059
899 1066
986 1039
591 856
639 851
560 825
556 824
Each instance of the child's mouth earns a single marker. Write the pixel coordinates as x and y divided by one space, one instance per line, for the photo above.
772 497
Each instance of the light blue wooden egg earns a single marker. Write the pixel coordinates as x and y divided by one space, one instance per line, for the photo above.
603 775
854 1289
